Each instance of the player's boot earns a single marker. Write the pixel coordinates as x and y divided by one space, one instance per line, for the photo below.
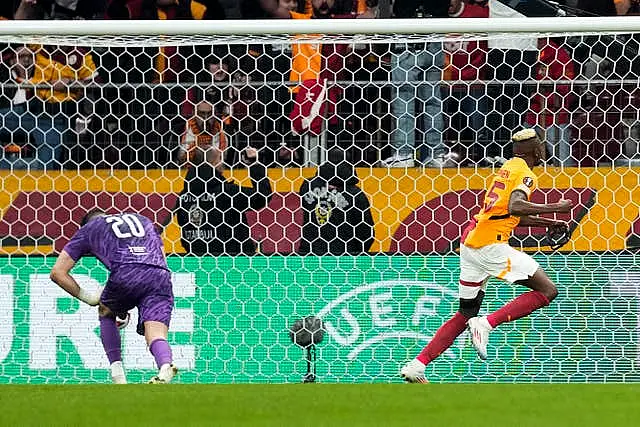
480 328
165 375
413 372
117 373
398 160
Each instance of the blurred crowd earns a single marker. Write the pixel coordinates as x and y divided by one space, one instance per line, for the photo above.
430 104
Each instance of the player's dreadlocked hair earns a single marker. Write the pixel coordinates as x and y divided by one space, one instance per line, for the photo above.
526 135
529 141
91 214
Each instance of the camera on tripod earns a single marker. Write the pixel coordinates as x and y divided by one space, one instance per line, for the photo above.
306 333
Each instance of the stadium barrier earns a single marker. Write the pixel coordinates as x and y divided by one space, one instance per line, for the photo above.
36 218
232 318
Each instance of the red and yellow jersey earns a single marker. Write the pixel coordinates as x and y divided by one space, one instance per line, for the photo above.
307 57
193 137
494 224
314 61
74 64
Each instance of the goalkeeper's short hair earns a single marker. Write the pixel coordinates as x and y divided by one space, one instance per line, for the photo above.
91 214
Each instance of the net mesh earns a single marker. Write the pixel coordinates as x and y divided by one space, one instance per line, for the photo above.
118 122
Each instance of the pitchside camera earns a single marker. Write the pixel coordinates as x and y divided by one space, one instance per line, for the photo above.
306 333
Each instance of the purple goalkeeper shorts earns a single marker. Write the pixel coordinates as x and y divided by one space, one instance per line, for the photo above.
137 285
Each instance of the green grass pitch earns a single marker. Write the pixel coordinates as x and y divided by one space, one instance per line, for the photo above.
351 405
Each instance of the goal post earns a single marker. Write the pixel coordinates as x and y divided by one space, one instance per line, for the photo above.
423 109
108 29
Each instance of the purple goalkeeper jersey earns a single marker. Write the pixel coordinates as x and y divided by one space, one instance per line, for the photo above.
119 239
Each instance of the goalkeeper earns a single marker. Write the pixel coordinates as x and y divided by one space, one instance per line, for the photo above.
131 249
485 252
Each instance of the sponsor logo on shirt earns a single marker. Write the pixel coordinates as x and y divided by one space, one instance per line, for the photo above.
138 250
528 181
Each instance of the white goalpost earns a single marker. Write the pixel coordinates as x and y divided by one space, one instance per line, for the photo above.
584 25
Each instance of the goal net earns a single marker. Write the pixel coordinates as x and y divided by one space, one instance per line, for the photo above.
379 141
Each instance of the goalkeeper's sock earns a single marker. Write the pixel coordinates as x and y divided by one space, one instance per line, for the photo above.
444 337
161 351
117 373
522 306
110 336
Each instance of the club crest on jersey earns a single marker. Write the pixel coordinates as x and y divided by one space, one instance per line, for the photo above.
326 199
528 181
196 215
323 211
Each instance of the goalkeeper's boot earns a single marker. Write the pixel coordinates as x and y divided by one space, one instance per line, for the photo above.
413 372
117 373
480 328
165 375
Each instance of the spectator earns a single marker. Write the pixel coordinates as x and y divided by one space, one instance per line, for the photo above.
551 105
624 7
235 104
313 66
466 61
416 69
61 9
165 9
13 102
60 74
202 132
17 67
211 211
336 213
217 74
252 9
178 63
244 114
510 61
341 7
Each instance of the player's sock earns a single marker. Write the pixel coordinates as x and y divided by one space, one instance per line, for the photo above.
522 306
110 336
161 351
444 337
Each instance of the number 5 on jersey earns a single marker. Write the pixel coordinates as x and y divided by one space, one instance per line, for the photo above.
492 197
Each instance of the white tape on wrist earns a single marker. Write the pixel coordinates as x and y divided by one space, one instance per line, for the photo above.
87 297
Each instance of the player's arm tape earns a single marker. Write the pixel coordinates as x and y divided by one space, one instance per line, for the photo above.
524 189
91 298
